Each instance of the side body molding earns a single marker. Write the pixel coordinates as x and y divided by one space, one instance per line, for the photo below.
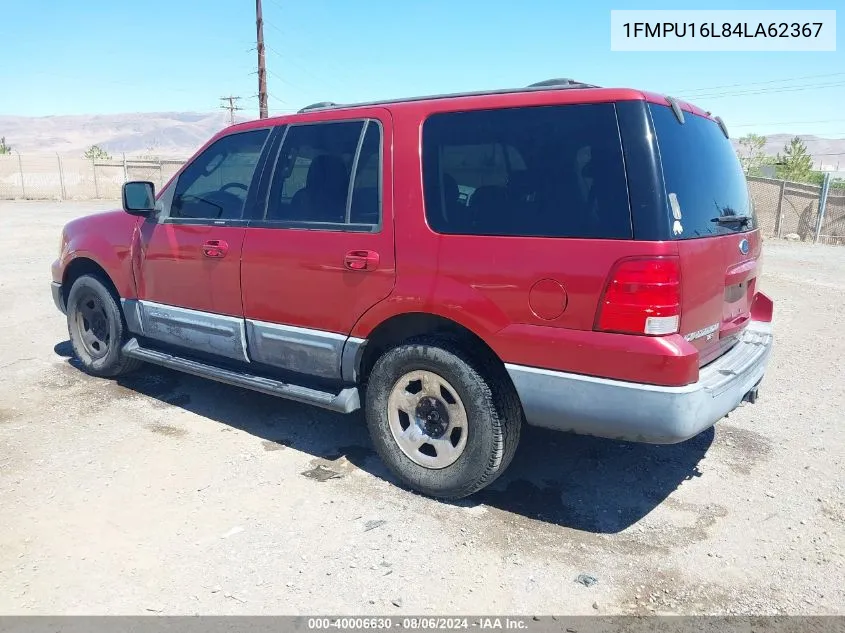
215 334
302 350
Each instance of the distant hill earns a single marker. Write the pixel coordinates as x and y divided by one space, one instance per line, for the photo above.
159 133
826 152
181 133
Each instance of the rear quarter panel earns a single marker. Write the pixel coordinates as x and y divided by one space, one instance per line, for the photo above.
484 284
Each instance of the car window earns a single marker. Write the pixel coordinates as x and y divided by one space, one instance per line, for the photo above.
365 206
214 185
704 180
552 171
313 182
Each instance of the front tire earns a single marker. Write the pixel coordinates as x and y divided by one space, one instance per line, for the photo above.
446 423
97 329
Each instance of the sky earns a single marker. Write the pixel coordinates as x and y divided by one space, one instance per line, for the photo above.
113 56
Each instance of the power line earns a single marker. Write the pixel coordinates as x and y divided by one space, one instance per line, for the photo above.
745 93
758 83
229 104
310 71
733 125
281 110
283 80
275 98
300 88
284 57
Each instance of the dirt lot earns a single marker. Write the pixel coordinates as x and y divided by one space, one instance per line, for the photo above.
165 493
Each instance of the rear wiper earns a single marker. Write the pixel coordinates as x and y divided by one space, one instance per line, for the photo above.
729 219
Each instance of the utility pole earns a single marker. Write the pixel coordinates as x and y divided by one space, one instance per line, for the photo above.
231 107
262 66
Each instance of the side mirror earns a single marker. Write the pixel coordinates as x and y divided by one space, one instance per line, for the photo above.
139 197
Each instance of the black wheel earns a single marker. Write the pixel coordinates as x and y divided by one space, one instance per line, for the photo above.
97 329
445 422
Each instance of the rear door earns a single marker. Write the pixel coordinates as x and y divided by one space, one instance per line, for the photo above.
322 253
714 226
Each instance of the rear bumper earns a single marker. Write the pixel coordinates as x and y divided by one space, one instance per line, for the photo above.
58 296
645 413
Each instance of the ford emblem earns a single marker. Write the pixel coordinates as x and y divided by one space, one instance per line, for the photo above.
743 247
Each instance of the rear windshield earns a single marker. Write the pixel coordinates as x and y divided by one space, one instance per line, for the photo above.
703 177
553 171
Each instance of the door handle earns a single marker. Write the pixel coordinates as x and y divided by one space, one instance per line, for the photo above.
361 260
215 248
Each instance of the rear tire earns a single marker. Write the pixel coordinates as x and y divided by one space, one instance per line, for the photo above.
97 329
445 422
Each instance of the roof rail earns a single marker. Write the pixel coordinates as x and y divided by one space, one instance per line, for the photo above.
548 84
318 105
560 83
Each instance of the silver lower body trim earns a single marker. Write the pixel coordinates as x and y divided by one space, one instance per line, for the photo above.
58 296
296 349
205 332
302 350
639 412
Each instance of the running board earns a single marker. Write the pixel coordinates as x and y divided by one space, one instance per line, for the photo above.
344 402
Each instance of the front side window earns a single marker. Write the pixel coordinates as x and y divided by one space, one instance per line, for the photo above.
215 185
328 174
551 171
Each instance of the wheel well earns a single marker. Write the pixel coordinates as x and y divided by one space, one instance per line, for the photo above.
84 266
403 327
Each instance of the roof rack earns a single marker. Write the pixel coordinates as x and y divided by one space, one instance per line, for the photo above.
318 106
548 84
560 83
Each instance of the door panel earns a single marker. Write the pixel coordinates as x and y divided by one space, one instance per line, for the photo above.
175 270
187 259
318 260
188 298
297 277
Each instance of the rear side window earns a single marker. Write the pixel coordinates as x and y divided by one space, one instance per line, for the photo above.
328 175
702 174
552 171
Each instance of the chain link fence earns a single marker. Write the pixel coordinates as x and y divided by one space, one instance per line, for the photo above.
798 211
52 177
784 209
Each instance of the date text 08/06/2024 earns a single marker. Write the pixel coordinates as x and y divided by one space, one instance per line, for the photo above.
726 29
417 623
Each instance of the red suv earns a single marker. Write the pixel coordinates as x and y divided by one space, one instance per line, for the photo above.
573 257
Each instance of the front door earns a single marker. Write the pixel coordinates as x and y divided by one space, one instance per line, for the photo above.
188 256
322 253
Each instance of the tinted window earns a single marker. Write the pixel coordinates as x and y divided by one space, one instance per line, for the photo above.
366 193
545 171
312 179
215 184
703 177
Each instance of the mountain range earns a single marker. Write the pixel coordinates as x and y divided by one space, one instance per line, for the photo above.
826 152
181 133
157 133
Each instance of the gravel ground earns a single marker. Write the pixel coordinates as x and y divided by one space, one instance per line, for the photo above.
163 493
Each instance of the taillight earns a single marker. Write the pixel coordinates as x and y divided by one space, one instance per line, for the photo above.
643 296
